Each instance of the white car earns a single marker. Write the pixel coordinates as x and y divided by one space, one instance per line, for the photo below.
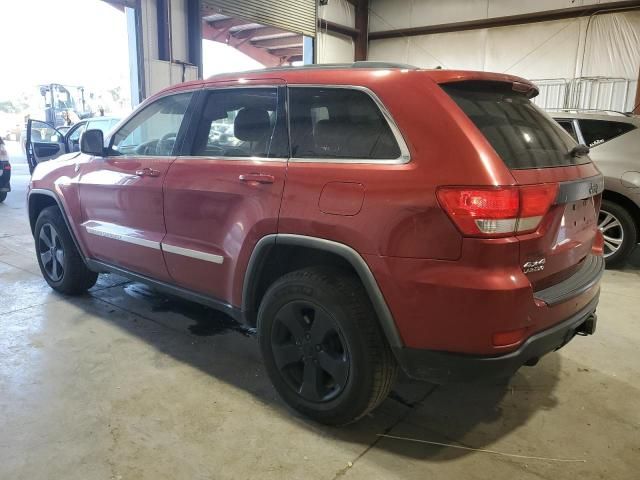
614 142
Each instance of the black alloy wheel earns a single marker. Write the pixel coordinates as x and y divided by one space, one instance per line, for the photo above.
322 345
60 262
310 351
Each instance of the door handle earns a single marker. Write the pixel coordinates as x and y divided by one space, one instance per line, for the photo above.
148 172
257 178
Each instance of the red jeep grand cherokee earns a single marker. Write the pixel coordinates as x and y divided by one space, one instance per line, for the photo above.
363 217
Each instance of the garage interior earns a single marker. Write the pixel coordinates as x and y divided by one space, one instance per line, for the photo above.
128 383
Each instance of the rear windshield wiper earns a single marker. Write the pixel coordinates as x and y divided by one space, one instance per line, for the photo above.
579 150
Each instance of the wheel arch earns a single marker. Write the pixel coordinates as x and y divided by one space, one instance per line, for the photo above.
301 251
626 203
38 200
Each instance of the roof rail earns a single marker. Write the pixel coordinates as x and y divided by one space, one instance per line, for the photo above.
329 66
591 110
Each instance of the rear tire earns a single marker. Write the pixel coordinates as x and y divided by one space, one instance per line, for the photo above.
3 196
59 260
620 233
323 347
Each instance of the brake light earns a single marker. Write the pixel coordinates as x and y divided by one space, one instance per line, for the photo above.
7 167
497 211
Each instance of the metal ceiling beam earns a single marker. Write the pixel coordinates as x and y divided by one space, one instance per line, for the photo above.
286 52
558 14
228 23
209 32
258 32
291 40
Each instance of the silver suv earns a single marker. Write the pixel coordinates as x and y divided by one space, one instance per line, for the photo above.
614 140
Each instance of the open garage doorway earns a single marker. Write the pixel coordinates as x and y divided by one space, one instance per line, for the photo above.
71 64
233 44
242 35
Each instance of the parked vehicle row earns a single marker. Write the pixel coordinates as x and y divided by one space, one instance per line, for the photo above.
614 142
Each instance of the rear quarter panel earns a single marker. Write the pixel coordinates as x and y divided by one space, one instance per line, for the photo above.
400 214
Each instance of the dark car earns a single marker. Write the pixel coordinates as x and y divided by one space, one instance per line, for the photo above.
5 172
364 218
46 142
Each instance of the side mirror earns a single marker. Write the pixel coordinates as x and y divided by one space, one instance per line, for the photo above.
92 143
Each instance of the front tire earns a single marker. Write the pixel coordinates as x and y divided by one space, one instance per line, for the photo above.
3 196
619 231
59 260
323 348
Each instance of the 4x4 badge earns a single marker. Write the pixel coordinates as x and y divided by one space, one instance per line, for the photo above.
534 266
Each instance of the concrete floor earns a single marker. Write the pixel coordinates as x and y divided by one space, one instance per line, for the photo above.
127 384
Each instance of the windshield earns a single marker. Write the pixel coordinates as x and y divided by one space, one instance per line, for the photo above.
522 134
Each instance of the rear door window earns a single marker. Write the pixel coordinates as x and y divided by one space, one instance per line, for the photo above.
597 132
339 123
522 134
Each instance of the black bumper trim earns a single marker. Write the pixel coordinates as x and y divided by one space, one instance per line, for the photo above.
446 367
586 277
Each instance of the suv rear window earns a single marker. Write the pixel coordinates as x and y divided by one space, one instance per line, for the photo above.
340 123
596 132
523 135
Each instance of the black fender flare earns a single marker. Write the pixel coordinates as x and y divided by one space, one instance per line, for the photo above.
380 306
54 195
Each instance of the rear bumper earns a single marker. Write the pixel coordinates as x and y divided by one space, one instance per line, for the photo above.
444 367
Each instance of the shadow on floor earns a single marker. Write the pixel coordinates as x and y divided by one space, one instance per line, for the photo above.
208 340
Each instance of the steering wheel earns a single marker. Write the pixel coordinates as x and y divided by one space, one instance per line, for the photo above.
166 143
147 148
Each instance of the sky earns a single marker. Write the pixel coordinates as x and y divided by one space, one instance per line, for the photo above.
73 42
219 58
80 43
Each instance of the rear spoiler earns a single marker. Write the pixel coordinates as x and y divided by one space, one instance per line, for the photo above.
518 84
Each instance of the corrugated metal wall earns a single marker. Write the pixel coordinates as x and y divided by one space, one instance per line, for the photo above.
602 54
293 15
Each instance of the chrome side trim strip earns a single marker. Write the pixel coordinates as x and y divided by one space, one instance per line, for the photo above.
118 232
405 155
187 252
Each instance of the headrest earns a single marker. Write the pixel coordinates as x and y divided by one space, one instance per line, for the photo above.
330 136
251 124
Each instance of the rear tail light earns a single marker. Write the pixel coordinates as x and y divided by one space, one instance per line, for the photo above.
498 211
7 167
